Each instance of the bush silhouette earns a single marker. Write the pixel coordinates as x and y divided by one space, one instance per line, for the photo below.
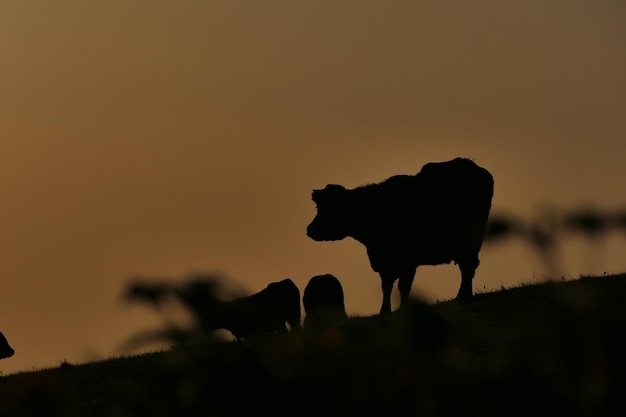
545 232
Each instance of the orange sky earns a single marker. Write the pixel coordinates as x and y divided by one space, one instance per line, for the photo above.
160 138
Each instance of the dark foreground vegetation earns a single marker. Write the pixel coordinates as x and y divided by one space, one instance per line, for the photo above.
539 350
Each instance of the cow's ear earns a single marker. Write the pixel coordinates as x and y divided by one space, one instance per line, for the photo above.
316 195
328 191
334 188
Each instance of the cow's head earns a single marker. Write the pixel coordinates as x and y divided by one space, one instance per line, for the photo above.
332 214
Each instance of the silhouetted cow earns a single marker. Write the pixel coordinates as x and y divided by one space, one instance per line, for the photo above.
267 311
323 301
435 217
6 351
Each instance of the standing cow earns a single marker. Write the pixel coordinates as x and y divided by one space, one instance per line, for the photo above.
432 218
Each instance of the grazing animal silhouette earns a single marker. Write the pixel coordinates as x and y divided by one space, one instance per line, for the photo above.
6 351
323 301
267 311
434 217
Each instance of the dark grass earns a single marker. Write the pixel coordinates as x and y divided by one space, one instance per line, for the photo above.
546 349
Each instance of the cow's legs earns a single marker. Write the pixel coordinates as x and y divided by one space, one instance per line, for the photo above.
294 323
387 285
404 285
468 269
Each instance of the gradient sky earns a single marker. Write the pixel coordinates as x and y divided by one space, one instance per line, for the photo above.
160 138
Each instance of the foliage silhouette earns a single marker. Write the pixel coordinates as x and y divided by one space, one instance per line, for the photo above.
546 232
435 217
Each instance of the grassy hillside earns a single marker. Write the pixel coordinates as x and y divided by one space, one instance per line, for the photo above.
549 349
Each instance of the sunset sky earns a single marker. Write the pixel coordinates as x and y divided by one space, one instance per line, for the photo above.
160 138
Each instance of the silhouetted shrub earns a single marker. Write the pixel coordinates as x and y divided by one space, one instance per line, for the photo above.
546 231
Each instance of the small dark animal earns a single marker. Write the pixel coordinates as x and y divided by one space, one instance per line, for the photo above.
323 301
435 217
6 351
267 311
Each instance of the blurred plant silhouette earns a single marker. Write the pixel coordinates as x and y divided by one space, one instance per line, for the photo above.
201 297
275 309
546 232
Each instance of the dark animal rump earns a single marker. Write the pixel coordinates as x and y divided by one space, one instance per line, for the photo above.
323 291
323 302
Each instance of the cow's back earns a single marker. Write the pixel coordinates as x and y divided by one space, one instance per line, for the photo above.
454 199
436 215
458 186
266 311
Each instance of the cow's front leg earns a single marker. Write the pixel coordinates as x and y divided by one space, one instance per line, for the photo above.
404 285
387 285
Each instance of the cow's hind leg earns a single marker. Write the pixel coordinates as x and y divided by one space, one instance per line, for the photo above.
387 285
294 323
468 270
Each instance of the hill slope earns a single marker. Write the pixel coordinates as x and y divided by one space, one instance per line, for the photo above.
546 349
